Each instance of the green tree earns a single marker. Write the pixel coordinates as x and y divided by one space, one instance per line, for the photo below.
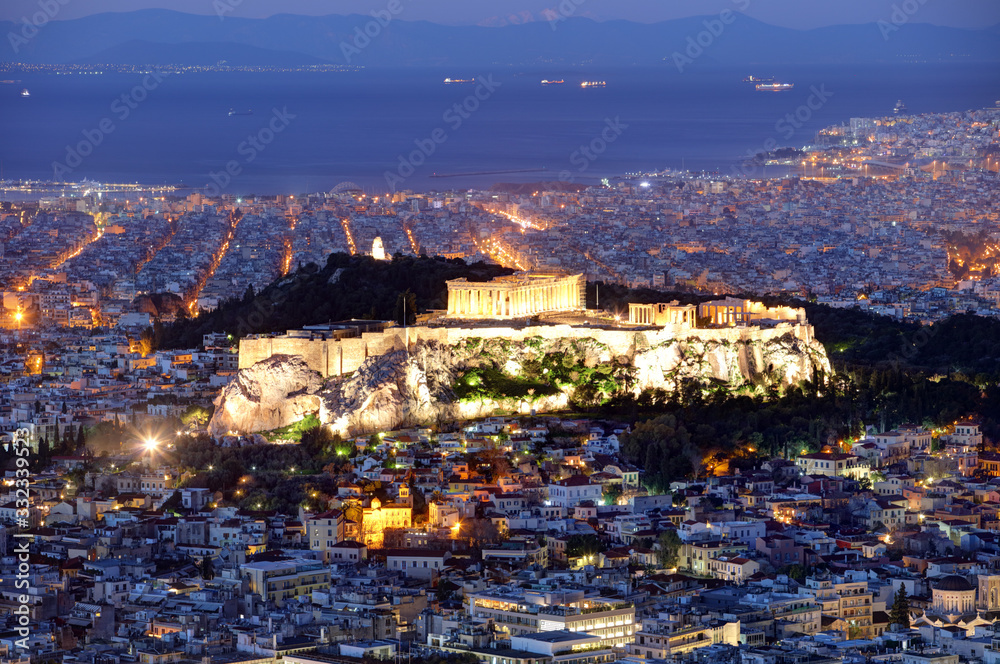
670 549
612 493
207 568
406 301
899 613
196 415
420 509
173 503
584 545
147 341
794 572
44 454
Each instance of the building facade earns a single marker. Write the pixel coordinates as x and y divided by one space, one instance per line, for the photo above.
517 296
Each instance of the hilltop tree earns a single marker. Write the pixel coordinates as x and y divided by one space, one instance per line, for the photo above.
406 301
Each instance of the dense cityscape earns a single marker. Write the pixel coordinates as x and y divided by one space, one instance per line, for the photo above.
748 416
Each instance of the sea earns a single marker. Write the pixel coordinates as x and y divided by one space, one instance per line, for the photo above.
407 129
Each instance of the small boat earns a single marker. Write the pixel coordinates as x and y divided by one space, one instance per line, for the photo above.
25 93
232 112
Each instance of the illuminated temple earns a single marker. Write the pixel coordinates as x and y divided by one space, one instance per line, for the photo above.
517 296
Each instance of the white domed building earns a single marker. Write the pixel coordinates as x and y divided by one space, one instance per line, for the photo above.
953 604
953 595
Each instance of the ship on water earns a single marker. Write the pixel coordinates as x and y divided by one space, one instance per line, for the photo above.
758 79
593 84
546 81
25 93
900 107
452 81
774 87
234 112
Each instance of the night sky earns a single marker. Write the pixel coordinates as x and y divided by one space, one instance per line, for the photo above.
788 13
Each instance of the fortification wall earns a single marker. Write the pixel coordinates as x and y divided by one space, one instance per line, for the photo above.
336 357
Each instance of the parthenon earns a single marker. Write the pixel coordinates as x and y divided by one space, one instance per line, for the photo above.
516 296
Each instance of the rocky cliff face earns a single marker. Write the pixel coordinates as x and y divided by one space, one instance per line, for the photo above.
434 383
273 393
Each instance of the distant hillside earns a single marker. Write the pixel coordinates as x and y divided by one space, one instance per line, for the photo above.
576 41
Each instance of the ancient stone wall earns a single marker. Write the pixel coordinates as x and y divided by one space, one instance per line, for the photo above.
337 357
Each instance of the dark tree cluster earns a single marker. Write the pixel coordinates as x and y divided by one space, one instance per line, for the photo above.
346 287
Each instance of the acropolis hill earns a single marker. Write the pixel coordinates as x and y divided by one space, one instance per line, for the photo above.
522 343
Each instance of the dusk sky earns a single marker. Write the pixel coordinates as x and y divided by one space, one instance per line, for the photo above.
789 13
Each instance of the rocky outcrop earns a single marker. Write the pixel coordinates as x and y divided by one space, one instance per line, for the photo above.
742 365
271 394
418 387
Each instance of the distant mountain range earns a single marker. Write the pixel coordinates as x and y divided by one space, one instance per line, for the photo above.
157 36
